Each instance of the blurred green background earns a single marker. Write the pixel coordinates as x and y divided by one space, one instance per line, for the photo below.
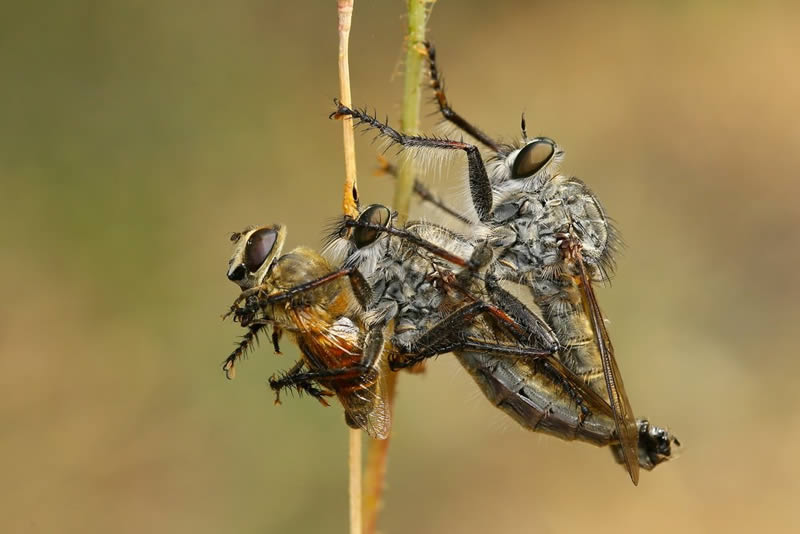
135 136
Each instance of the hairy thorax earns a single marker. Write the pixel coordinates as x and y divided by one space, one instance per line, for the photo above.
529 226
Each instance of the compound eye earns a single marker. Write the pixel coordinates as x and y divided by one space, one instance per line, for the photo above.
258 248
533 157
375 214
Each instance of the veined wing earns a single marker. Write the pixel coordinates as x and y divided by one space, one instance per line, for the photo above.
620 405
366 405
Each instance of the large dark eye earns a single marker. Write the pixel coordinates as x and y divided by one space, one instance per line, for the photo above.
258 248
533 157
375 214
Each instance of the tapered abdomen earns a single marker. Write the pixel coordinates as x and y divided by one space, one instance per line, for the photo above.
536 400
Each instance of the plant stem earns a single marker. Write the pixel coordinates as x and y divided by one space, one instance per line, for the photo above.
375 470
354 461
350 196
378 450
344 10
418 11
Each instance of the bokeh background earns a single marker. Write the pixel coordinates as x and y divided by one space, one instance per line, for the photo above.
135 136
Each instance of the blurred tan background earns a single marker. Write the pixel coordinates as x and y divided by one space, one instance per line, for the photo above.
135 136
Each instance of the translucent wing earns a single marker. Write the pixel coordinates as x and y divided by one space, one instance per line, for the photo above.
379 419
590 399
365 404
620 406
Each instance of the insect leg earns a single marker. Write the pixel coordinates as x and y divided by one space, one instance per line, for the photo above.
303 386
408 236
437 84
360 289
479 185
538 332
247 340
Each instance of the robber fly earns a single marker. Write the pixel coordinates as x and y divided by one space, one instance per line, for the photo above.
506 348
300 293
546 231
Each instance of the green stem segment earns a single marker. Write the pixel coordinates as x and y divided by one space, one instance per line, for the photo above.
378 451
418 11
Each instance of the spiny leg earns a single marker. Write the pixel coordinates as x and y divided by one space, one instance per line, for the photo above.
479 185
250 337
306 386
337 374
437 84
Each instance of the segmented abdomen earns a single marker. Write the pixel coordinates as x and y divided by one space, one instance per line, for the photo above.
535 399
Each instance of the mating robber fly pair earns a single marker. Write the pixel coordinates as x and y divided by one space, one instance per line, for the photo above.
388 297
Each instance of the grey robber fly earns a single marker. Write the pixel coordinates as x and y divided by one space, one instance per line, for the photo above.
546 231
437 304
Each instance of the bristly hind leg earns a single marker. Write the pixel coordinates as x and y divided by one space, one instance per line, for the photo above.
292 379
479 185
437 84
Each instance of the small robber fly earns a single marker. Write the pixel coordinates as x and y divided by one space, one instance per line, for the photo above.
435 310
545 230
319 306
